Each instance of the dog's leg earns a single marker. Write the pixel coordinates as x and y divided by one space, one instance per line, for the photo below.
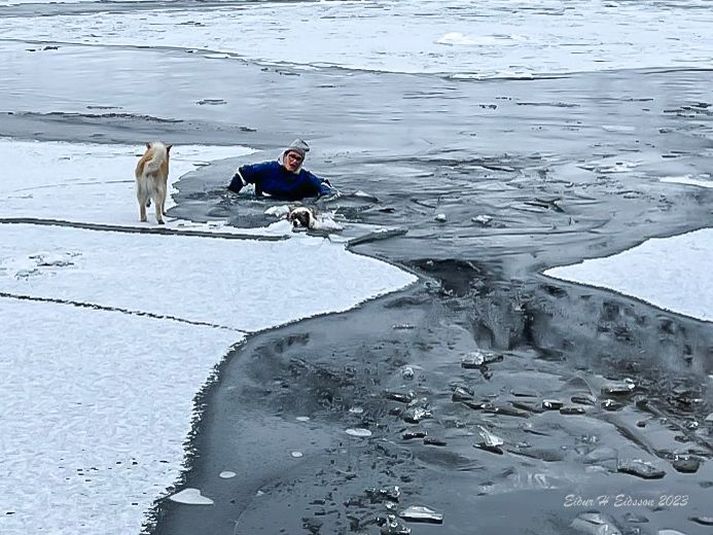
159 215
159 200
142 196
164 193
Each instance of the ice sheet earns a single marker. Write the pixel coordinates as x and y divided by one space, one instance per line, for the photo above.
93 183
481 39
670 273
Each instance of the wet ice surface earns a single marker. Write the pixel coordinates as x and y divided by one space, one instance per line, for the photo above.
471 39
544 462
703 181
553 395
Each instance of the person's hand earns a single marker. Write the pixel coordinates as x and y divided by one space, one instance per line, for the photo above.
332 195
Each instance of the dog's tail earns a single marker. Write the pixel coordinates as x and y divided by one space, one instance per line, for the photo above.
159 154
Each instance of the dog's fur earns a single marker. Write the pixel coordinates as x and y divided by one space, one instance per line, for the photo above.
302 217
152 179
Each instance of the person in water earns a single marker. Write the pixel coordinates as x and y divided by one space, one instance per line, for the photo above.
282 179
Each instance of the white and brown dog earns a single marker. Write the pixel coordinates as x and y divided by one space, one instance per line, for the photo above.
302 216
152 179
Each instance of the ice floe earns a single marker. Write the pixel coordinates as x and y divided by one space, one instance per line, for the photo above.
670 273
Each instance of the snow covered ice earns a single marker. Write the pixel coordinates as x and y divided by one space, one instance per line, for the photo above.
108 336
670 273
497 38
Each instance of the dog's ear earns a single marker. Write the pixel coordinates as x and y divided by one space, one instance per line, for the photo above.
148 145
168 148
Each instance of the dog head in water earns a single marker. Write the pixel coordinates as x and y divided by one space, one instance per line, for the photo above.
302 217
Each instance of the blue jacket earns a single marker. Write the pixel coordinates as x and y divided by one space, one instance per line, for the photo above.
273 179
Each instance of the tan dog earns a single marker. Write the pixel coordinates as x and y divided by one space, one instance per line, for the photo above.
152 179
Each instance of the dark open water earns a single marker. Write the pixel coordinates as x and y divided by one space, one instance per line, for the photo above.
482 288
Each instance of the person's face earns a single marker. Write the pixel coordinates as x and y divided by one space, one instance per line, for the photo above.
292 161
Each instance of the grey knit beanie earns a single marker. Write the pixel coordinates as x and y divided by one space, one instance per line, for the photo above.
299 146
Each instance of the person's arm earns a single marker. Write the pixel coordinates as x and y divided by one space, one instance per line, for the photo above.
247 174
320 185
